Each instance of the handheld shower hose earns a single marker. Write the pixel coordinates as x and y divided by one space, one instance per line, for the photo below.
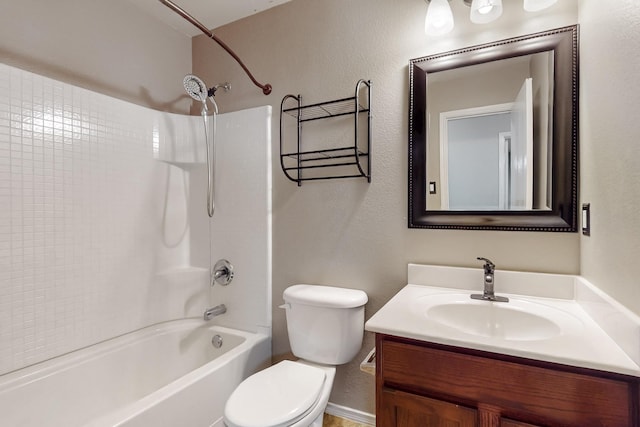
196 88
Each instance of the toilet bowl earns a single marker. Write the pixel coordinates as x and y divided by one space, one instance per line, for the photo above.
290 393
325 326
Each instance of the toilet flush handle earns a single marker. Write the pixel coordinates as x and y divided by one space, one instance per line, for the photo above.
285 305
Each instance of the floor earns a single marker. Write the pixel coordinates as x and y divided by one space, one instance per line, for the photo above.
332 421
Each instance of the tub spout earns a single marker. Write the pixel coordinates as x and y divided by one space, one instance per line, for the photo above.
212 312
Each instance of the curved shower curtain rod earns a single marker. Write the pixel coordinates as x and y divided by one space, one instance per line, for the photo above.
266 89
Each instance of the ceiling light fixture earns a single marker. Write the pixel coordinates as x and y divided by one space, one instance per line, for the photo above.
484 11
439 19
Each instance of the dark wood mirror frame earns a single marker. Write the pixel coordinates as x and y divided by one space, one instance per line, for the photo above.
562 217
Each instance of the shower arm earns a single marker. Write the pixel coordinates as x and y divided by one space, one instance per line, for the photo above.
266 88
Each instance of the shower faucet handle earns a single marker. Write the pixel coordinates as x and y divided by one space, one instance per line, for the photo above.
222 273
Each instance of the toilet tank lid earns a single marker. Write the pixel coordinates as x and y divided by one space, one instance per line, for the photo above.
325 296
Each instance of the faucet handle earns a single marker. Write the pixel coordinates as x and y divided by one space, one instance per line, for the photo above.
489 266
222 273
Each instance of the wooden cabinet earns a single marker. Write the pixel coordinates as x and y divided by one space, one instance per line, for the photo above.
430 385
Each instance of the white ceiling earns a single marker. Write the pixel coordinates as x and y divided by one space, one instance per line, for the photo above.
211 13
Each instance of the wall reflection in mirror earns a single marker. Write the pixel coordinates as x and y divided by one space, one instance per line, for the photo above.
489 148
493 135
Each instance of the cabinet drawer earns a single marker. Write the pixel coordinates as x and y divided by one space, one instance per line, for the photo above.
526 392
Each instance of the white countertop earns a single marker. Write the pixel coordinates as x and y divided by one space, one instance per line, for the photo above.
584 344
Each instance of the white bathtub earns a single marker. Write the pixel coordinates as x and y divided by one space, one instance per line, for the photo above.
164 375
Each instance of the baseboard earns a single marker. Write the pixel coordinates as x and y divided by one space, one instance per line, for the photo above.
351 414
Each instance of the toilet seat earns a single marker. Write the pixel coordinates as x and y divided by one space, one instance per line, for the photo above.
275 397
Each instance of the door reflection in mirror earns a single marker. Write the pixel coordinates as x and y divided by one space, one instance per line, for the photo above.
474 169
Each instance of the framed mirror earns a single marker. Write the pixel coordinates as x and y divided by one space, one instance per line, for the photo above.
493 135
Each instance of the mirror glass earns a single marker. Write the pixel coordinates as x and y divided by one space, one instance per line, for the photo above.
481 148
492 135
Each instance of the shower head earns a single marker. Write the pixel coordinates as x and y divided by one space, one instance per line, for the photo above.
196 88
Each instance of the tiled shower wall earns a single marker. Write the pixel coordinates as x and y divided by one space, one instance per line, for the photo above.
94 229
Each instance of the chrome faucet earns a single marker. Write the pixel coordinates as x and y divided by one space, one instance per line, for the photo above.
488 293
222 273
212 312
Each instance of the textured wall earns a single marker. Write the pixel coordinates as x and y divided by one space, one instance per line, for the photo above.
110 47
347 232
610 153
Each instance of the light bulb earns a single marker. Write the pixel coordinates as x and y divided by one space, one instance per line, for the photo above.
439 19
484 11
536 5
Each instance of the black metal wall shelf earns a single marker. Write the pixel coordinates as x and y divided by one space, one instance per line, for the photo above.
342 161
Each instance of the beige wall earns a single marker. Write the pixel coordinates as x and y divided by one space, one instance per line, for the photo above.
609 148
109 47
347 232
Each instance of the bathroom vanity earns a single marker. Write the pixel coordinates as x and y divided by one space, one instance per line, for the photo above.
538 360
423 384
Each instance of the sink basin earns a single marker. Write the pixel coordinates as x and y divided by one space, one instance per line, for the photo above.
516 320
545 319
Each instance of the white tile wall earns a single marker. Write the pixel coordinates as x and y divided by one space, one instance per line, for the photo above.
94 230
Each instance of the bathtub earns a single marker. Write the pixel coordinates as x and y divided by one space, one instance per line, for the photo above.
168 374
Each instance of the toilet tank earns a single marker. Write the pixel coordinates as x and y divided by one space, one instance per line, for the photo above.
325 323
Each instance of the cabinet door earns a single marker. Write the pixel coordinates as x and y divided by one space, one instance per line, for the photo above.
400 409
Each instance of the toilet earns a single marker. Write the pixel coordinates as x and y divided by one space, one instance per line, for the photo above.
325 326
